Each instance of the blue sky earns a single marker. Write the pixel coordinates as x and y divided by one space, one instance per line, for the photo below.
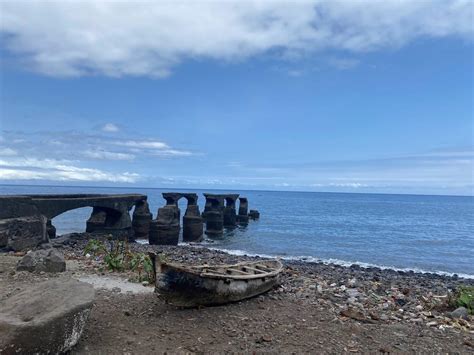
252 95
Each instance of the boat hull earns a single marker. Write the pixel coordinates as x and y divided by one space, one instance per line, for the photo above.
185 289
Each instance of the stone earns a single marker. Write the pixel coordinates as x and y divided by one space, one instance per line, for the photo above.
49 260
460 312
23 233
47 318
254 214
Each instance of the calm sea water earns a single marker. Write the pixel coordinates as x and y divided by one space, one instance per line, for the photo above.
423 233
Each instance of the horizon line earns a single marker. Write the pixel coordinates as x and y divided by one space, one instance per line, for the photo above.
233 189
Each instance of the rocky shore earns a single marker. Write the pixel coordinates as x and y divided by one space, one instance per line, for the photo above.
316 308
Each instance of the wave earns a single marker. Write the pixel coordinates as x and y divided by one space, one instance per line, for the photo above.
331 261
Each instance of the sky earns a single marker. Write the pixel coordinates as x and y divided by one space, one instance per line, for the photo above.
343 96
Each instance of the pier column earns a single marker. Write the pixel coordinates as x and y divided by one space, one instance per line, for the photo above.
242 217
50 229
164 230
230 217
108 221
192 220
141 220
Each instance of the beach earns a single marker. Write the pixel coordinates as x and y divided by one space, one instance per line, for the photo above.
316 307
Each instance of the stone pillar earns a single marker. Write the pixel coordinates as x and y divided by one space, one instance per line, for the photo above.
51 230
214 223
230 217
141 220
97 220
192 224
165 229
242 217
108 221
213 203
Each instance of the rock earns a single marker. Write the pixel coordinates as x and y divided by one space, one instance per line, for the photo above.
23 233
352 292
460 312
419 308
45 318
50 260
355 314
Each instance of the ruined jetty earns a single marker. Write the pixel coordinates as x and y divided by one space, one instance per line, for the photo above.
25 220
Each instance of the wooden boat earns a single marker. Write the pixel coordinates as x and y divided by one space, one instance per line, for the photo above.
205 285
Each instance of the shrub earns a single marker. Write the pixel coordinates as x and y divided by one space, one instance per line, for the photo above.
463 297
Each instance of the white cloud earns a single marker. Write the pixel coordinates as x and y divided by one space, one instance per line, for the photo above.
141 38
146 144
110 127
7 152
56 170
172 153
105 155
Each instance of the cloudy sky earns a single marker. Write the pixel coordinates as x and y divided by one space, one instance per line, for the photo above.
352 96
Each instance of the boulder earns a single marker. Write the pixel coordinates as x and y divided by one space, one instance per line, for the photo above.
49 260
460 312
45 318
23 233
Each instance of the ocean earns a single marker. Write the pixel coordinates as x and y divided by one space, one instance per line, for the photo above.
407 232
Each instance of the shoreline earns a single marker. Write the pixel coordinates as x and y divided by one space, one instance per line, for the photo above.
317 307
331 261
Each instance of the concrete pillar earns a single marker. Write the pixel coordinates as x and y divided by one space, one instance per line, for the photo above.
230 217
141 220
164 230
214 223
108 221
50 229
192 224
242 217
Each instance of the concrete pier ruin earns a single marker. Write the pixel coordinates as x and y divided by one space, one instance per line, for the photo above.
25 220
166 228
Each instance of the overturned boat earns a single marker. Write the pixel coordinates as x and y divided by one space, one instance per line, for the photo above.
206 285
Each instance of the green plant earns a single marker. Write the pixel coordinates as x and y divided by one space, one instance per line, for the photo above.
118 255
95 247
142 263
463 297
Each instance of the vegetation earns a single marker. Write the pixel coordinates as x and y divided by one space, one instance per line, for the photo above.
118 257
463 297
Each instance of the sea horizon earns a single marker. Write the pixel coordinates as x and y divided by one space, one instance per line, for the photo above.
234 189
